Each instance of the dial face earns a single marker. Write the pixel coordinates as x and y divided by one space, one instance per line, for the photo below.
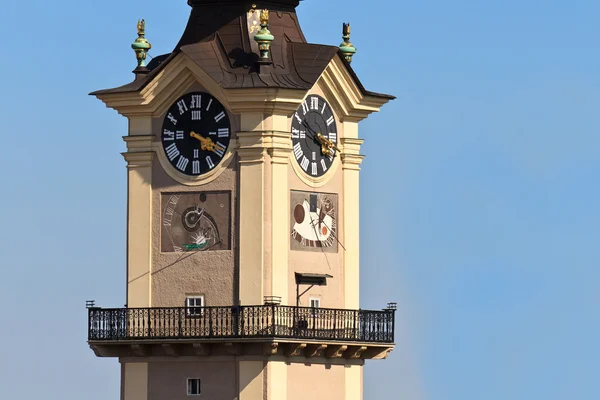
314 221
196 133
197 221
314 136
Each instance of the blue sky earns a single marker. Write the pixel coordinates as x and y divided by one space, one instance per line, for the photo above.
479 204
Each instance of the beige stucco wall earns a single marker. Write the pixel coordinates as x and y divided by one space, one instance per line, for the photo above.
315 382
168 380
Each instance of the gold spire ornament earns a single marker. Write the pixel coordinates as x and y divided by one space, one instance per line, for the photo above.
141 47
346 47
264 38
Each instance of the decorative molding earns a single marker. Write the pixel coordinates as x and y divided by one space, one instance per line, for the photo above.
335 351
270 349
234 349
170 349
138 159
345 96
295 349
354 352
315 350
139 143
202 349
139 350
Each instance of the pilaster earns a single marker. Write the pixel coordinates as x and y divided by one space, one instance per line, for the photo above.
351 160
139 158
135 381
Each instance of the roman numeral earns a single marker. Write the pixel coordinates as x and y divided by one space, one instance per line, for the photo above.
330 121
314 168
298 118
295 133
196 101
195 167
182 163
172 152
219 149
209 104
196 153
223 132
333 136
169 211
196 115
168 135
210 163
177 249
179 135
314 103
182 107
323 165
314 155
172 119
174 199
304 163
298 151
304 107
323 110
212 133
220 116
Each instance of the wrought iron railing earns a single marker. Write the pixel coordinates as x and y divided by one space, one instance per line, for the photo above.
267 321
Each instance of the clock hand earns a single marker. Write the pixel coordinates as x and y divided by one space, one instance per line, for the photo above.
206 143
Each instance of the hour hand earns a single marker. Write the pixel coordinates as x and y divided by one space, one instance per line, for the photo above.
205 143
327 145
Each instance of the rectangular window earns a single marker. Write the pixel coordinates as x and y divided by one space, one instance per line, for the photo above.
193 387
315 303
194 305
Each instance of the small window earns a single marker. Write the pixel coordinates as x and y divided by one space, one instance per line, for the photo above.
194 387
315 303
194 306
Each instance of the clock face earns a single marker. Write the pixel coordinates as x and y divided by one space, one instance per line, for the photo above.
314 221
197 221
196 133
314 136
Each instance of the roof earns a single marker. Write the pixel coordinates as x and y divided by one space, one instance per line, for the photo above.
222 46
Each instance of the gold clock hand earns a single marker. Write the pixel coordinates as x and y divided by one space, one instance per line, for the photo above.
205 143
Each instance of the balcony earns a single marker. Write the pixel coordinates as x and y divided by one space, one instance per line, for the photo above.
266 330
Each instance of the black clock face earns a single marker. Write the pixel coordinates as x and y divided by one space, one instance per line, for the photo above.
196 133
314 136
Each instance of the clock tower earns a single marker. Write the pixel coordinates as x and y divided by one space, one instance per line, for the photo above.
243 160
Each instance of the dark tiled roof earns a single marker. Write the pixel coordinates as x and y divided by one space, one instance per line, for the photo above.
217 39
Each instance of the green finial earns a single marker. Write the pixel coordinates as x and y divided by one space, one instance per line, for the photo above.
141 46
263 37
346 47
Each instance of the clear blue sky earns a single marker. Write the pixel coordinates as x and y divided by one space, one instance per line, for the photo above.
480 190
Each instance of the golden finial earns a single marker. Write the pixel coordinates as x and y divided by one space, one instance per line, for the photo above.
141 27
141 47
264 17
346 47
264 38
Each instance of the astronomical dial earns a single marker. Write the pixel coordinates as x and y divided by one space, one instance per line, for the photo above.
314 136
195 221
314 221
196 133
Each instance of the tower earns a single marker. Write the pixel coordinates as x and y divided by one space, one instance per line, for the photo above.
243 161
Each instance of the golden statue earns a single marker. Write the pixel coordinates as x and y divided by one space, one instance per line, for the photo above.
141 27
